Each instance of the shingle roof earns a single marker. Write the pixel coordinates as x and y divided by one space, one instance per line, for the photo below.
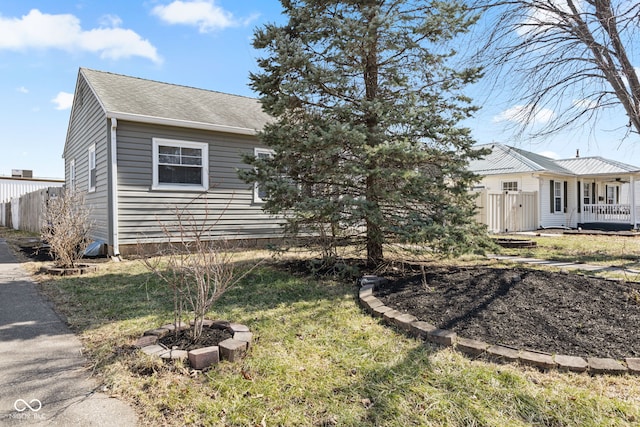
150 99
504 159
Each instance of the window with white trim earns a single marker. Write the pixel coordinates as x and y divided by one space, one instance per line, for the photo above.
180 165
72 174
510 186
612 194
93 177
260 194
586 193
557 196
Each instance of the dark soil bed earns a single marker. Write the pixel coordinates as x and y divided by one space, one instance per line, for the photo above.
551 312
183 339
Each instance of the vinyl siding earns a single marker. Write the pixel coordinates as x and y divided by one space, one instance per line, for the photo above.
569 218
526 182
88 125
228 203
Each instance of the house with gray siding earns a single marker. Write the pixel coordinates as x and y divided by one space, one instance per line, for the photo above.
141 149
521 191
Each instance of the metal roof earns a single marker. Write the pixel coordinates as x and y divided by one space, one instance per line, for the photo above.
147 100
596 166
504 159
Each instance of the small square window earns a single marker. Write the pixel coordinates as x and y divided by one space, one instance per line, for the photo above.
510 186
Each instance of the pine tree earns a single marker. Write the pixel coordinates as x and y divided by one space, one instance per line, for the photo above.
366 130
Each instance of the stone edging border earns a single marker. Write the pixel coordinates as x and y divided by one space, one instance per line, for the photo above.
80 269
231 349
417 328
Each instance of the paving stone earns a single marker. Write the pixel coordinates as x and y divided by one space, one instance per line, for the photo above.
159 332
441 336
372 280
633 364
421 329
220 324
404 321
244 336
504 353
471 347
380 311
570 363
181 326
204 357
390 315
232 350
174 354
153 350
365 291
598 365
146 340
539 360
237 327
205 323
371 302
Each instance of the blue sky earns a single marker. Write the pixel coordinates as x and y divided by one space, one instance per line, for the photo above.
199 43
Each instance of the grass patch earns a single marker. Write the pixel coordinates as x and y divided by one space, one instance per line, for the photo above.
317 359
606 250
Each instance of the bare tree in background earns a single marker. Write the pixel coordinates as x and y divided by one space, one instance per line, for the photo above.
572 56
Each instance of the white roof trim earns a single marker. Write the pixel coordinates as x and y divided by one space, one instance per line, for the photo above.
180 123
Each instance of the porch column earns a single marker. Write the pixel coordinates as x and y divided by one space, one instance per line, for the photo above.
632 200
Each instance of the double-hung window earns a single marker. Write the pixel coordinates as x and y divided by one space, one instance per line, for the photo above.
180 165
92 168
260 194
557 196
586 193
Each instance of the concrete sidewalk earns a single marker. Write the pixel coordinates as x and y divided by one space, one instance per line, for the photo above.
43 380
561 264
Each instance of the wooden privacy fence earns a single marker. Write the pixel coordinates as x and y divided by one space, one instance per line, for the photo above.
26 212
508 212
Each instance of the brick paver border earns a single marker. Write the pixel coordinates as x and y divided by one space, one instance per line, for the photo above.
472 347
231 349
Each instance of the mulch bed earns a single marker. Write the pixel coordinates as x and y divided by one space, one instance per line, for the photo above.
184 340
552 312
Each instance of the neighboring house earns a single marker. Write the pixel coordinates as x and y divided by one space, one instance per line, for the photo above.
522 191
12 187
22 182
140 149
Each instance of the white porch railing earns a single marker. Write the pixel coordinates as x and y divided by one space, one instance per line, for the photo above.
607 213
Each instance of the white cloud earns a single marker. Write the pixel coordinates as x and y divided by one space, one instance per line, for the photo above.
22 89
204 14
38 30
525 114
63 100
110 21
544 15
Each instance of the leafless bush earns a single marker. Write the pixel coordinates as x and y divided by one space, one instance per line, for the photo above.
196 267
66 228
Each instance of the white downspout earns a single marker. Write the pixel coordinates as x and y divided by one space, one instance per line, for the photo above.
632 196
114 187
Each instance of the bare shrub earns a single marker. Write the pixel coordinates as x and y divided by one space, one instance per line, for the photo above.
66 228
198 268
